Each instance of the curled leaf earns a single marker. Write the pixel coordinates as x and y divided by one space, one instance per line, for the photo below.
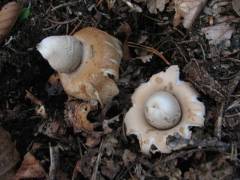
8 16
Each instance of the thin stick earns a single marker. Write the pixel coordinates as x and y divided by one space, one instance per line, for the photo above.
94 175
218 124
54 162
63 22
64 5
149 49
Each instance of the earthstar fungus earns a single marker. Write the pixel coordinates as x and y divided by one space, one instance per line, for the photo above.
87 63
163 107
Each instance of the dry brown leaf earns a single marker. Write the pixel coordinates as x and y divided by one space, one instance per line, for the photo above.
8 16
76 113
189 10
220 33
8 155
30 168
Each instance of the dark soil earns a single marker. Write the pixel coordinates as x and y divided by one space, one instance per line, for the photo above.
213 153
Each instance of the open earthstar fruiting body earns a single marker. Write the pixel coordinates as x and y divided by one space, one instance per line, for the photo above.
163 107
87 62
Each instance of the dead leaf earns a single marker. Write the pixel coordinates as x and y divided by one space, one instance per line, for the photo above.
236 6
220 33
30 168
155 5
53 128
76 113
110 145
8 155
87 162
199 77
110 169
188 10
218 168
93 139
128 157
8 16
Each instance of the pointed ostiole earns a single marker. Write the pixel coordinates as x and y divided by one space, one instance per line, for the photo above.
64 53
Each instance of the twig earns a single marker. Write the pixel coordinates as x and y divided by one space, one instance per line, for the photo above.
75 28
64 5
95 171
149 49
54 162
32 98
132 6
218 124
63 22
40 109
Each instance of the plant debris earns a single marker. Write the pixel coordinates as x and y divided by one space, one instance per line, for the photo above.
8 16
76 114
236 6
30 168
188 10
9 156
219 33
77 139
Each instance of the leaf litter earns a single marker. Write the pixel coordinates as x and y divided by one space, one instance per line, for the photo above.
71 143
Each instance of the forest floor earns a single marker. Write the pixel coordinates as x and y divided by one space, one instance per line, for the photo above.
211 65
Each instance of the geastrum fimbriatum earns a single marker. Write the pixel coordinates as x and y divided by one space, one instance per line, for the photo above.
163 107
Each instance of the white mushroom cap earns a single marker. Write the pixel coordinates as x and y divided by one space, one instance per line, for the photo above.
162 110
192 112
63 53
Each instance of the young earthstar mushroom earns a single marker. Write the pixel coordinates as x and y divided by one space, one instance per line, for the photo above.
88 67
87 63
163 107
